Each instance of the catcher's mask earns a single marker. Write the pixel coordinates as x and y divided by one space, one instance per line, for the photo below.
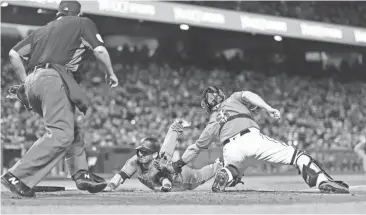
148 150
211 98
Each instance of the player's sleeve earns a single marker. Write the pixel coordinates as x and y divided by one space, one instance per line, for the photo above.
130 167
208 135
239 97
24 47
90 34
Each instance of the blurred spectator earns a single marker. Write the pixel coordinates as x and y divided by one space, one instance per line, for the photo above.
318 112
337 12
360 149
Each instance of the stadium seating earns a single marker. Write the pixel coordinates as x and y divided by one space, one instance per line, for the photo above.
345 12
317 112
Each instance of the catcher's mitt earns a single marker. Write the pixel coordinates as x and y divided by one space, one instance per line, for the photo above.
163 164
18 92
167 166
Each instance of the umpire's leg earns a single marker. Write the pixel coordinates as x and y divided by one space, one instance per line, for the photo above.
75 156
47 96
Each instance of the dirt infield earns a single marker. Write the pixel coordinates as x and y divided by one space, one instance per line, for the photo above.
270 194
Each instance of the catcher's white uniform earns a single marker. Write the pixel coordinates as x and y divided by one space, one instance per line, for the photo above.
232 124
244 144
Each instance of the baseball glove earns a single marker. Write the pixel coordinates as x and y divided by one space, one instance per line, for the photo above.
167 166
163 164
18 92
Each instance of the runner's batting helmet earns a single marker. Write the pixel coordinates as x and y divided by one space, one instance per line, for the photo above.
211 98
148 150
149 144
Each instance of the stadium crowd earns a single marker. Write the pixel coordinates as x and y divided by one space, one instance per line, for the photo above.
342 12
319 113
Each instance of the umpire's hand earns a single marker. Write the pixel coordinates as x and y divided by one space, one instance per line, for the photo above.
112 80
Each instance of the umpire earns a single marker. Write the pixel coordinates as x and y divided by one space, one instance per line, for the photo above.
53 54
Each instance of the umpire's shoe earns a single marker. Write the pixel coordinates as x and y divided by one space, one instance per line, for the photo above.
88 181
16 186
221 181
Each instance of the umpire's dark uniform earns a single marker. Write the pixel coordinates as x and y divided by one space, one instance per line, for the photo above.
53 52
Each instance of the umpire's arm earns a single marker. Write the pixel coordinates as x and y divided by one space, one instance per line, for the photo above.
19 51
92 38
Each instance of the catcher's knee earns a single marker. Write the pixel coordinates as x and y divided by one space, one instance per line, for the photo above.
310 169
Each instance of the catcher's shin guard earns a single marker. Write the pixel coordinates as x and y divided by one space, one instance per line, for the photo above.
314 174
236 181
226 177
221 180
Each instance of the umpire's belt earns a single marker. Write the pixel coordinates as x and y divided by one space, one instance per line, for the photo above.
245 131
40 66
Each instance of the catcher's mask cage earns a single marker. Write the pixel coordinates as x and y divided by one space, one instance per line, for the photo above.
211 98
148 150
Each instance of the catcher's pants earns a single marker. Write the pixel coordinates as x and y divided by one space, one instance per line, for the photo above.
248 149
189 178
63 137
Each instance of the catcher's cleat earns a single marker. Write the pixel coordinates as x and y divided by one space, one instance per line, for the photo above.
221 181
16 186
85 180
333 187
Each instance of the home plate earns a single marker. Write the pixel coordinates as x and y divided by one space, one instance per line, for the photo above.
48 188
68 185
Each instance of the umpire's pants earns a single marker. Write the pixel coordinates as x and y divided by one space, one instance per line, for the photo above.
63 137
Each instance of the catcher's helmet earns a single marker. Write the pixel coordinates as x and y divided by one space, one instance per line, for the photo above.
149 144
211 98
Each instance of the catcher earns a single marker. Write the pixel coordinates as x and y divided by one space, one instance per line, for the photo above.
150 160
232 123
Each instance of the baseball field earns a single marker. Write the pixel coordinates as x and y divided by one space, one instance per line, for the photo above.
259 194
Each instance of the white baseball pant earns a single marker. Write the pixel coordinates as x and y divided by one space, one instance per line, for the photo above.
245 151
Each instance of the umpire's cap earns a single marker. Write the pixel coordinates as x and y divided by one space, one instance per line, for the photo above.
71 8
149 144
